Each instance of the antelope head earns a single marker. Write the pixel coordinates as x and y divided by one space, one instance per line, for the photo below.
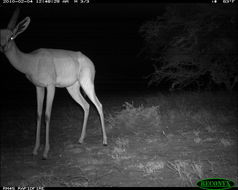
12 31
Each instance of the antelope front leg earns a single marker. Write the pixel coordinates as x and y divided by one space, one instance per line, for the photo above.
40 93
49 101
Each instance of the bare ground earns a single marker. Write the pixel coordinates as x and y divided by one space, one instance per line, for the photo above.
191 141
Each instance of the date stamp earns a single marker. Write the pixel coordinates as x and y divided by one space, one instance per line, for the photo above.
46 1
17 1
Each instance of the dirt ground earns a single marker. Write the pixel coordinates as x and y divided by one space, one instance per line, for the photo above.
178 154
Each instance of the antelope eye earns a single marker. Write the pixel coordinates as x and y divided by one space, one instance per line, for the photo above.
11 38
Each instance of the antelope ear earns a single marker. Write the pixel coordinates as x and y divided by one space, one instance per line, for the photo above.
13 20
21 27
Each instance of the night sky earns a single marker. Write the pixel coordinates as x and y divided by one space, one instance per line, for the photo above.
106 33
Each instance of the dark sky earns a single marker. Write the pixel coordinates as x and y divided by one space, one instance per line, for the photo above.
106 33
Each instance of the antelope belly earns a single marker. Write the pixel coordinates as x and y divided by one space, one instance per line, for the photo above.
66 72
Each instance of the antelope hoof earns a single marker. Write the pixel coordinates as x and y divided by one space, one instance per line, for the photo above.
80 141
44 157
104 143
34 153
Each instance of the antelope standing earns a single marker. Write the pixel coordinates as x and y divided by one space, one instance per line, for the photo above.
50 68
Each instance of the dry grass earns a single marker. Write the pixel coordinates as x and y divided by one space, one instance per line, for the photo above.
168 140
134 120
191 115
52 180
188 171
